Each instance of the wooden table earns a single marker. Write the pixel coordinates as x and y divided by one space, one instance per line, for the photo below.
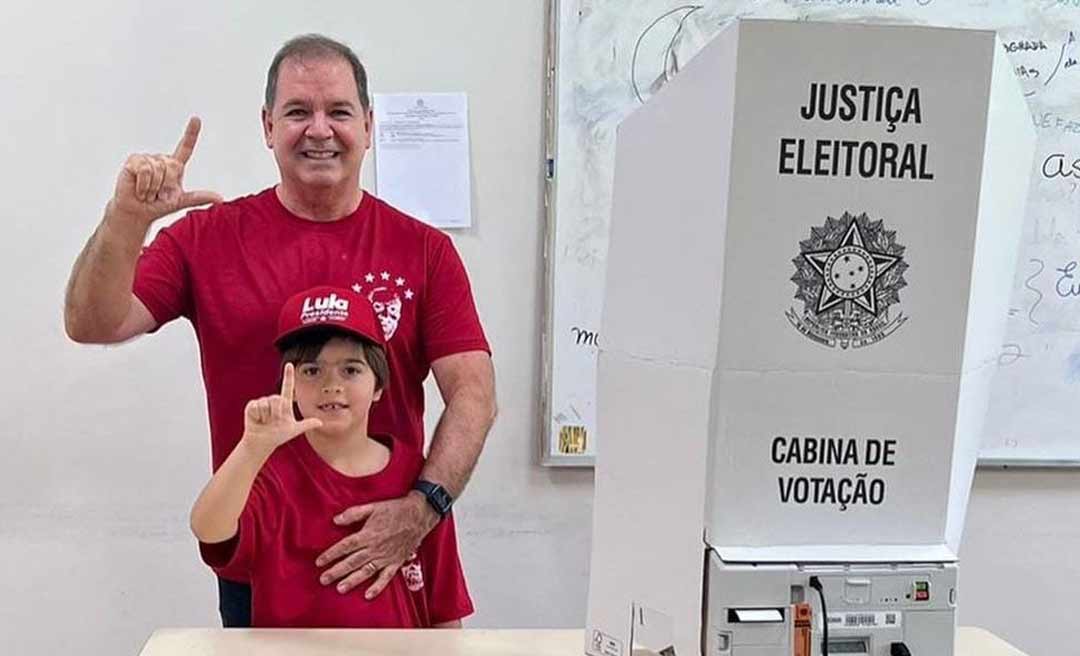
970 641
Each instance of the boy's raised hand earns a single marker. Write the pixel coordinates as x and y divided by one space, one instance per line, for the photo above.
269 421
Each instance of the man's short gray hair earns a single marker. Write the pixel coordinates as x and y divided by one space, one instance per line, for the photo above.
316 46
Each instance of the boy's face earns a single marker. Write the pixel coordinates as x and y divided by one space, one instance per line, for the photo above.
337 388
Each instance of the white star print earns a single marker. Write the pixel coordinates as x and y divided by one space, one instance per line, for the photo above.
400 282
385 275
369 278
356 288
408 294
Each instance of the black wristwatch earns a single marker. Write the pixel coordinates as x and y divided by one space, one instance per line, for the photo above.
436 495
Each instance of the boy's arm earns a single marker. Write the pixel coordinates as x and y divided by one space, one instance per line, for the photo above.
216 513
268 423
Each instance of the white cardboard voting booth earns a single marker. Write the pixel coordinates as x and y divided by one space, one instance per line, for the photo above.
813 235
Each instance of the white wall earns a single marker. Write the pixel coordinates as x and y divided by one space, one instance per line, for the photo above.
104 449
1019 562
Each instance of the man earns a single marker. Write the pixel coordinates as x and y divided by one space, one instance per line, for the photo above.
228 268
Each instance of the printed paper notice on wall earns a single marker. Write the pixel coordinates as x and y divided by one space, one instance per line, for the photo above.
422 156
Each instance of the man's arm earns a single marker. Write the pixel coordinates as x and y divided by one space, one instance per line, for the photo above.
393 529
467 383
99 305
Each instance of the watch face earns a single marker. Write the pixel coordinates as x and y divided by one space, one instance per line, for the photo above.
436 495
442 500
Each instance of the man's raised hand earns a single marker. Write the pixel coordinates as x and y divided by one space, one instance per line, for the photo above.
269 422
151 186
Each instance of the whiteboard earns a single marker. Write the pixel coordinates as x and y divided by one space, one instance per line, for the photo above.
607 57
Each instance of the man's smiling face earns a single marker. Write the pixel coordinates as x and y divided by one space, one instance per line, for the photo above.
317 127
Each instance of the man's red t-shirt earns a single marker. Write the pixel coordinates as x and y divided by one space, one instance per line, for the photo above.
230 267
287 523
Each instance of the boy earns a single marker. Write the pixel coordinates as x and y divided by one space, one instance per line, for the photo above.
267 512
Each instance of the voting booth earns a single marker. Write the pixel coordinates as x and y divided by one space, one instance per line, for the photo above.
813 239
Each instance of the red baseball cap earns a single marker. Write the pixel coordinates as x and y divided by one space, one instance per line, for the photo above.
329 307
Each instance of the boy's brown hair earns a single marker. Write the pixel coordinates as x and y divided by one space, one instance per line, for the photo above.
306 345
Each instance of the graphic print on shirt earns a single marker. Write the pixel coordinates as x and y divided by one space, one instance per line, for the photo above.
413 574
389 295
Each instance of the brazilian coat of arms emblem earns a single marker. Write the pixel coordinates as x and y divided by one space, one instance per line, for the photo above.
848 275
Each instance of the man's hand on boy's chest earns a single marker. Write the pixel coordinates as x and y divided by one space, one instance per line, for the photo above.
390 534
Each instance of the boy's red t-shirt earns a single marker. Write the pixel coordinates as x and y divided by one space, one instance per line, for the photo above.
288 522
